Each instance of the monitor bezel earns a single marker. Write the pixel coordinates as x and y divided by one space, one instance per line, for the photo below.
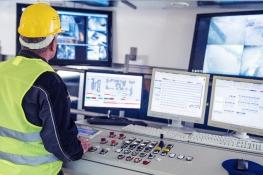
194 57
62 62
173 116
110 72
224 125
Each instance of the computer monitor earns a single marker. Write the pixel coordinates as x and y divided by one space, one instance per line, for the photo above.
73 79
86 37
178 95
112 90
219 49
237 104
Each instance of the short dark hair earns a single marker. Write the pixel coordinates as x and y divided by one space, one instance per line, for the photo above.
34 40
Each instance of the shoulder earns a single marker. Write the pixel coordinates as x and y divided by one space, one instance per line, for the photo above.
49 78
50 81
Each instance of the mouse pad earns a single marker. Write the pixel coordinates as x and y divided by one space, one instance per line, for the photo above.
253 168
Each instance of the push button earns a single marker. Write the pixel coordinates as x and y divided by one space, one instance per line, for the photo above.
129 158
112 134
103 140
146 162
103 151
121 136
172 155
151 156
118 150
189 158
113 142
127 151
137 160
121 156
180 156
92 149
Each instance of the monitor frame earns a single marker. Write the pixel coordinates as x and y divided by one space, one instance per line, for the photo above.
234 127
82 62
114 73
174 116
199 42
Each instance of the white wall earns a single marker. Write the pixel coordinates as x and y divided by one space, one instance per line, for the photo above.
163 36
8 27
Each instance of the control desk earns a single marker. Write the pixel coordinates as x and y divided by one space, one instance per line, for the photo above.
121 153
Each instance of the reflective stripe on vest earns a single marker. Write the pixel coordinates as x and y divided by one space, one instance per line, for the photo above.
21 159
27 160
19 135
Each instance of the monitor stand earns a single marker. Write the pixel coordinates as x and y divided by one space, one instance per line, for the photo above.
114 120
241 135
178 126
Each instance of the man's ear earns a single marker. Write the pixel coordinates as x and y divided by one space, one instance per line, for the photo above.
53 45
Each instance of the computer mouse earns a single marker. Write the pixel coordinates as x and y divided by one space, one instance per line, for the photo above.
241 165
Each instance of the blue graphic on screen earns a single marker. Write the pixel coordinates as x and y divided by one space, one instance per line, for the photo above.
235 46
97 38
112 90
73 34
85 34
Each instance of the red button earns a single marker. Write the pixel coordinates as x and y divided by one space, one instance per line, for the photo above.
146 162
113 142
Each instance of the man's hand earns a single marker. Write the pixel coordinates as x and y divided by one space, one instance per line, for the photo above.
85 143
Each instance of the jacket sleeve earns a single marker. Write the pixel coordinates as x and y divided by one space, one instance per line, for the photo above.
59 133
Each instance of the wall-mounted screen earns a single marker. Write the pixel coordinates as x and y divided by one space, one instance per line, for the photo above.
228 43
86 36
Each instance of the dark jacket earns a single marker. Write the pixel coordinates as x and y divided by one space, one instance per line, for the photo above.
47 104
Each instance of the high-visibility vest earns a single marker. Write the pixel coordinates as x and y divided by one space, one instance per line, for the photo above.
21 148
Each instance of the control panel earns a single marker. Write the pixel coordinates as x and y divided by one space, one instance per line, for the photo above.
142 154
135 149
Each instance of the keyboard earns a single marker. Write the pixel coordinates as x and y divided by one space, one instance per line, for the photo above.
155 132
226 142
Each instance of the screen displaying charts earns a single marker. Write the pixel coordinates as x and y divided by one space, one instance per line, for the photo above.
237 104
176 94
113 90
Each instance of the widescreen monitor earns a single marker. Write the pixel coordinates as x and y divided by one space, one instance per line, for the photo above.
237 104
178 95
86 36
228 43
112 90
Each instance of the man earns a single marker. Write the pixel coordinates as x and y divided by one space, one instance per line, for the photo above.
36 132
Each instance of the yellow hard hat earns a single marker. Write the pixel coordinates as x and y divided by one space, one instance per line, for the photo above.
39 20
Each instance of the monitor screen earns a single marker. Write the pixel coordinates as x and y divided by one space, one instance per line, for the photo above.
228 43
86 36
98 3
178 95
72 80
237 104
112 90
